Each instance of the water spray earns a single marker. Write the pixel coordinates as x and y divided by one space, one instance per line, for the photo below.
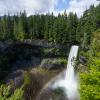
69 82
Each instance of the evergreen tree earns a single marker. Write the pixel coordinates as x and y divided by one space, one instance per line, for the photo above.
18 30
64 29
72 26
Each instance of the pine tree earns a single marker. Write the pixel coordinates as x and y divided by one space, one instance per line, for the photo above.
18 30
25 24
46 28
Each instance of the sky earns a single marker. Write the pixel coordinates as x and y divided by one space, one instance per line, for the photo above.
44 6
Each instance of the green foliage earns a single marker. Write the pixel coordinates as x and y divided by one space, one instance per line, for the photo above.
20 31
90 81
27 78
63 28
5 93
18 95
53 29
61 61
89 22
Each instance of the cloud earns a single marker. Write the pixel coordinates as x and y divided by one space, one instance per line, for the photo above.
44 6
79 6
31 6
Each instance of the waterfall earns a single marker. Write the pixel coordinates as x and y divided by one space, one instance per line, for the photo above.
69 82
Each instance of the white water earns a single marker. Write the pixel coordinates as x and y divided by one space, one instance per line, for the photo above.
69 82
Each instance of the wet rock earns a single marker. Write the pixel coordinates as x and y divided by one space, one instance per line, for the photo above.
82 59
2 46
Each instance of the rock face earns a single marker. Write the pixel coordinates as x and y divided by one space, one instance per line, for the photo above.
26 54
17 78
17 55
22 55
51 63
43 43
25 64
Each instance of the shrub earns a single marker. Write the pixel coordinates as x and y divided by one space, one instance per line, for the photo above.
90 81
5 93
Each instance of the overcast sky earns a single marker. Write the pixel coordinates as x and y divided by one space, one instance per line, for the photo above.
44 6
